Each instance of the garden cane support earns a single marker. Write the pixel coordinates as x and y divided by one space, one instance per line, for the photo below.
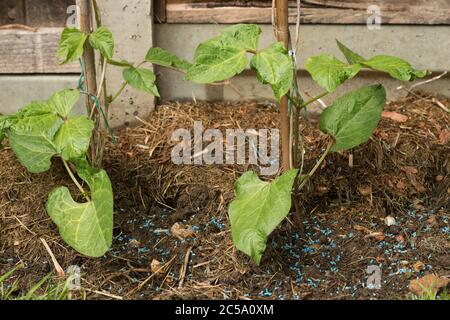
282 30
85 9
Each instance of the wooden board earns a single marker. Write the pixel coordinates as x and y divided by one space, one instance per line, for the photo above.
27 52
230 3
12 11
424 12
47 14
160 11
35 13
390 5
349 4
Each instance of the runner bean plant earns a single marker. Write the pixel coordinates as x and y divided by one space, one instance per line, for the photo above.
49 129
260 206
44 130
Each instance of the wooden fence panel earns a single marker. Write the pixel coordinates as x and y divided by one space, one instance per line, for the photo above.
47 14
424 12
32 50
35 13
28 52
12 12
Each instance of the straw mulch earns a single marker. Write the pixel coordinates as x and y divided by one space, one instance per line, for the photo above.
404 169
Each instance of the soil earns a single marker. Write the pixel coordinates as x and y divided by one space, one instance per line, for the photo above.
403 172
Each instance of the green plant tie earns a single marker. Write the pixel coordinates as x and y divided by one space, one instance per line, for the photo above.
80 85
105 119
294 87
82 89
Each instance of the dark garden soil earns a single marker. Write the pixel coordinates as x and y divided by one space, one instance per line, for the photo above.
404 172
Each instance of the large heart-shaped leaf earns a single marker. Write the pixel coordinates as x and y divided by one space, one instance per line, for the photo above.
141 79
164 58
245 36
274 66
330 72
258 209
396 67
352 119
73 137
351 56
62 102
71 45
121 63
42 129
31 139
5 123
35 108
87 227
102 40
215 61
3 127
225 56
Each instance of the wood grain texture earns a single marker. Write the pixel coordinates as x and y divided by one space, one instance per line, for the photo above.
424 12
160 11
349 4
47 13
12 12
35 13
26 52
392 5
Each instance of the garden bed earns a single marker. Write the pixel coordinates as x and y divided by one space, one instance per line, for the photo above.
402 172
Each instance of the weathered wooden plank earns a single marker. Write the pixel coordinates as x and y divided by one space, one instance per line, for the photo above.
27 52
228 2
160 11
202 13
47 13
185 13
12 12
347 4
391 5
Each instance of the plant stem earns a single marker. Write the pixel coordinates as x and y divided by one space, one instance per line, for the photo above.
98 18
174 69
101 86
296 139
72 176
103 141
307 103
316 167
296 103
296 135
124 85
101 136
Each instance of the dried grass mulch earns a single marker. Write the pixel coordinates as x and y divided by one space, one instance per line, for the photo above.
403 171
